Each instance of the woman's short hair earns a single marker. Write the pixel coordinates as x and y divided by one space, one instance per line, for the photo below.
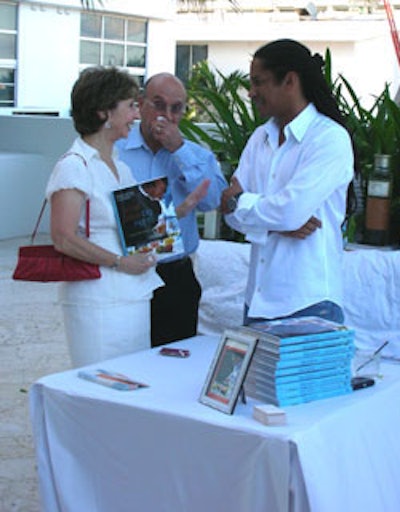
99 89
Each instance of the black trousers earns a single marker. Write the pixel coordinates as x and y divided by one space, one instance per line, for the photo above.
175 306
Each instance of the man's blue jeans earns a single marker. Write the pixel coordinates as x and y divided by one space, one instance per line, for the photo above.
325 309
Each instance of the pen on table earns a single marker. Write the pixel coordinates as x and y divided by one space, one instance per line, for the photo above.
373 355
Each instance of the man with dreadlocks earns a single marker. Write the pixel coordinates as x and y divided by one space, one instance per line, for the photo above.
288 194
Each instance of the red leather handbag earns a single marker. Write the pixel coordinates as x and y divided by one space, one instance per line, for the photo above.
43 263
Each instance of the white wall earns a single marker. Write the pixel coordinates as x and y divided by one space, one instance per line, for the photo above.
48 57
161 47
29 148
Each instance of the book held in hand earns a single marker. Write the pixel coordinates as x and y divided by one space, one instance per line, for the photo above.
147 220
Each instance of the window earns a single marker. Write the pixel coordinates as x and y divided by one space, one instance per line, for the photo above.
114 41
8 53
186 57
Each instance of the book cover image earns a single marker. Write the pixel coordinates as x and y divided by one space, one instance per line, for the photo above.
147 221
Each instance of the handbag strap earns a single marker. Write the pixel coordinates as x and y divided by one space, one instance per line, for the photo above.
87 221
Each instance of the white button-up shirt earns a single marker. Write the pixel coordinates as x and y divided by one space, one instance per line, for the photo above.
283 187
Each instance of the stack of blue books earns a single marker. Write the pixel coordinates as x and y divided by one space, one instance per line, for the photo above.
299 360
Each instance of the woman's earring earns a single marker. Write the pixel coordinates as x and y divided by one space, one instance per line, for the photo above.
107 124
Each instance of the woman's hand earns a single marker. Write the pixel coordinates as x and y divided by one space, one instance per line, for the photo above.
138 263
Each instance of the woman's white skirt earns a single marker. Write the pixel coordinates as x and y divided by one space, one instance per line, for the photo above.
96 332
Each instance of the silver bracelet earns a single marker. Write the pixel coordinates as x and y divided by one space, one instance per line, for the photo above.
117 262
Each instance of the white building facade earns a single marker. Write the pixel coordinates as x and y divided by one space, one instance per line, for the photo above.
360 43
44 45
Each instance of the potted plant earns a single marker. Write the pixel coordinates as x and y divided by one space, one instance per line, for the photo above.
222 101
376 131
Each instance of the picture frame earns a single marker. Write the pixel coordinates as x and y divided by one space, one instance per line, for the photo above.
228 370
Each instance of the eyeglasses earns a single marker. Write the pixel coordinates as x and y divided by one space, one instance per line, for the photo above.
163 108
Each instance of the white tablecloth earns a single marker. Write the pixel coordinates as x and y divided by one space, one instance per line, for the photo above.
158 449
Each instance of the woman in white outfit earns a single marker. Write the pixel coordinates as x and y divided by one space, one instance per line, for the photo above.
110 316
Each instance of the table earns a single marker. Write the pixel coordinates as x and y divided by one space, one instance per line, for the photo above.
159 449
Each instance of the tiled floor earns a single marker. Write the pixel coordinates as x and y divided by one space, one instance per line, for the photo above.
32 345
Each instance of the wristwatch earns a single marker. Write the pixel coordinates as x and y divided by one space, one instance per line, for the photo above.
232 202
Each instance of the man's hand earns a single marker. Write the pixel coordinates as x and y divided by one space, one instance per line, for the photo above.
304 231
167 134
193 199
232 190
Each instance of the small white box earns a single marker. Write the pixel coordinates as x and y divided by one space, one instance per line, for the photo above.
269 414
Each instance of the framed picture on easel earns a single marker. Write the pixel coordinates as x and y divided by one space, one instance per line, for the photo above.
228 370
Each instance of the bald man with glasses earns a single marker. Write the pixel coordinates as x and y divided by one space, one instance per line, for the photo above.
156 148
